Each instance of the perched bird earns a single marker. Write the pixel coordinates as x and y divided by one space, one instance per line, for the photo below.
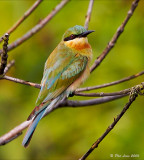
66 69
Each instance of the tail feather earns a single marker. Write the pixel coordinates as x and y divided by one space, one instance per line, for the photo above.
39 112
31 129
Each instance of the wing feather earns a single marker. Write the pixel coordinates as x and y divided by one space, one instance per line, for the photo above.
61 69
54 84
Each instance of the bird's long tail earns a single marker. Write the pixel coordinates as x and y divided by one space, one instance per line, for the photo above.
31 129
46 108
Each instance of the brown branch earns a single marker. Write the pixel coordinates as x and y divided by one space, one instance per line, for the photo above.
102 94
88 16
26 14
4 55
79 90
17 131
91 102
77 93
115 36
21 81
111 83
38 27
10 64
95 145
14 133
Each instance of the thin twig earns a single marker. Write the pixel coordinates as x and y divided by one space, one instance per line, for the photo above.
91 102
88 16
14 133
102 94
77 93
21 81
38 27
9 65
111 83
17 131
26 14
4 54
36 85
115 36
95 145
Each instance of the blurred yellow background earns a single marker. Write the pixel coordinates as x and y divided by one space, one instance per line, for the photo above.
67 133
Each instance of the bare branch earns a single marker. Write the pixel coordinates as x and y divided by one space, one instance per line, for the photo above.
88 16
115 36
92 101
10 64
95 145
26 14
77 93
4 55
38 27
102 94
14 133
79 90
111 83
21 81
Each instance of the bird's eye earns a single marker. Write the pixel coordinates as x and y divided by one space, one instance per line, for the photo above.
72 36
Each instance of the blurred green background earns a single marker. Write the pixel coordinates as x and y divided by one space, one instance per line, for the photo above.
67 133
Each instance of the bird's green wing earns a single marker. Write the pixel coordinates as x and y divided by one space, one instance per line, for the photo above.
60 76
62 68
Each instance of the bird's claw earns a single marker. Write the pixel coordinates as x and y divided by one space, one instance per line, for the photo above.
71 94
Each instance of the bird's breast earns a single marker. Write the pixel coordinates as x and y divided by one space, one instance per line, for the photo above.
79 80
81 46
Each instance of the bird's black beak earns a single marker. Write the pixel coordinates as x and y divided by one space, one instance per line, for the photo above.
84 34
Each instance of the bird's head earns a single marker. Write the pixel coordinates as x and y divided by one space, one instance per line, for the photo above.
76 38
76 32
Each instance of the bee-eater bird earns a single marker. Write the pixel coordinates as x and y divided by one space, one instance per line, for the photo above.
66 69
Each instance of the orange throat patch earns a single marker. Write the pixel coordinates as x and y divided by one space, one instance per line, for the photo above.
78 44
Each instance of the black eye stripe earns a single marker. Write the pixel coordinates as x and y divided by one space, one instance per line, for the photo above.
72 36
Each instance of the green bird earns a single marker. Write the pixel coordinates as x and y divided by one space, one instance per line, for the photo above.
66 69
